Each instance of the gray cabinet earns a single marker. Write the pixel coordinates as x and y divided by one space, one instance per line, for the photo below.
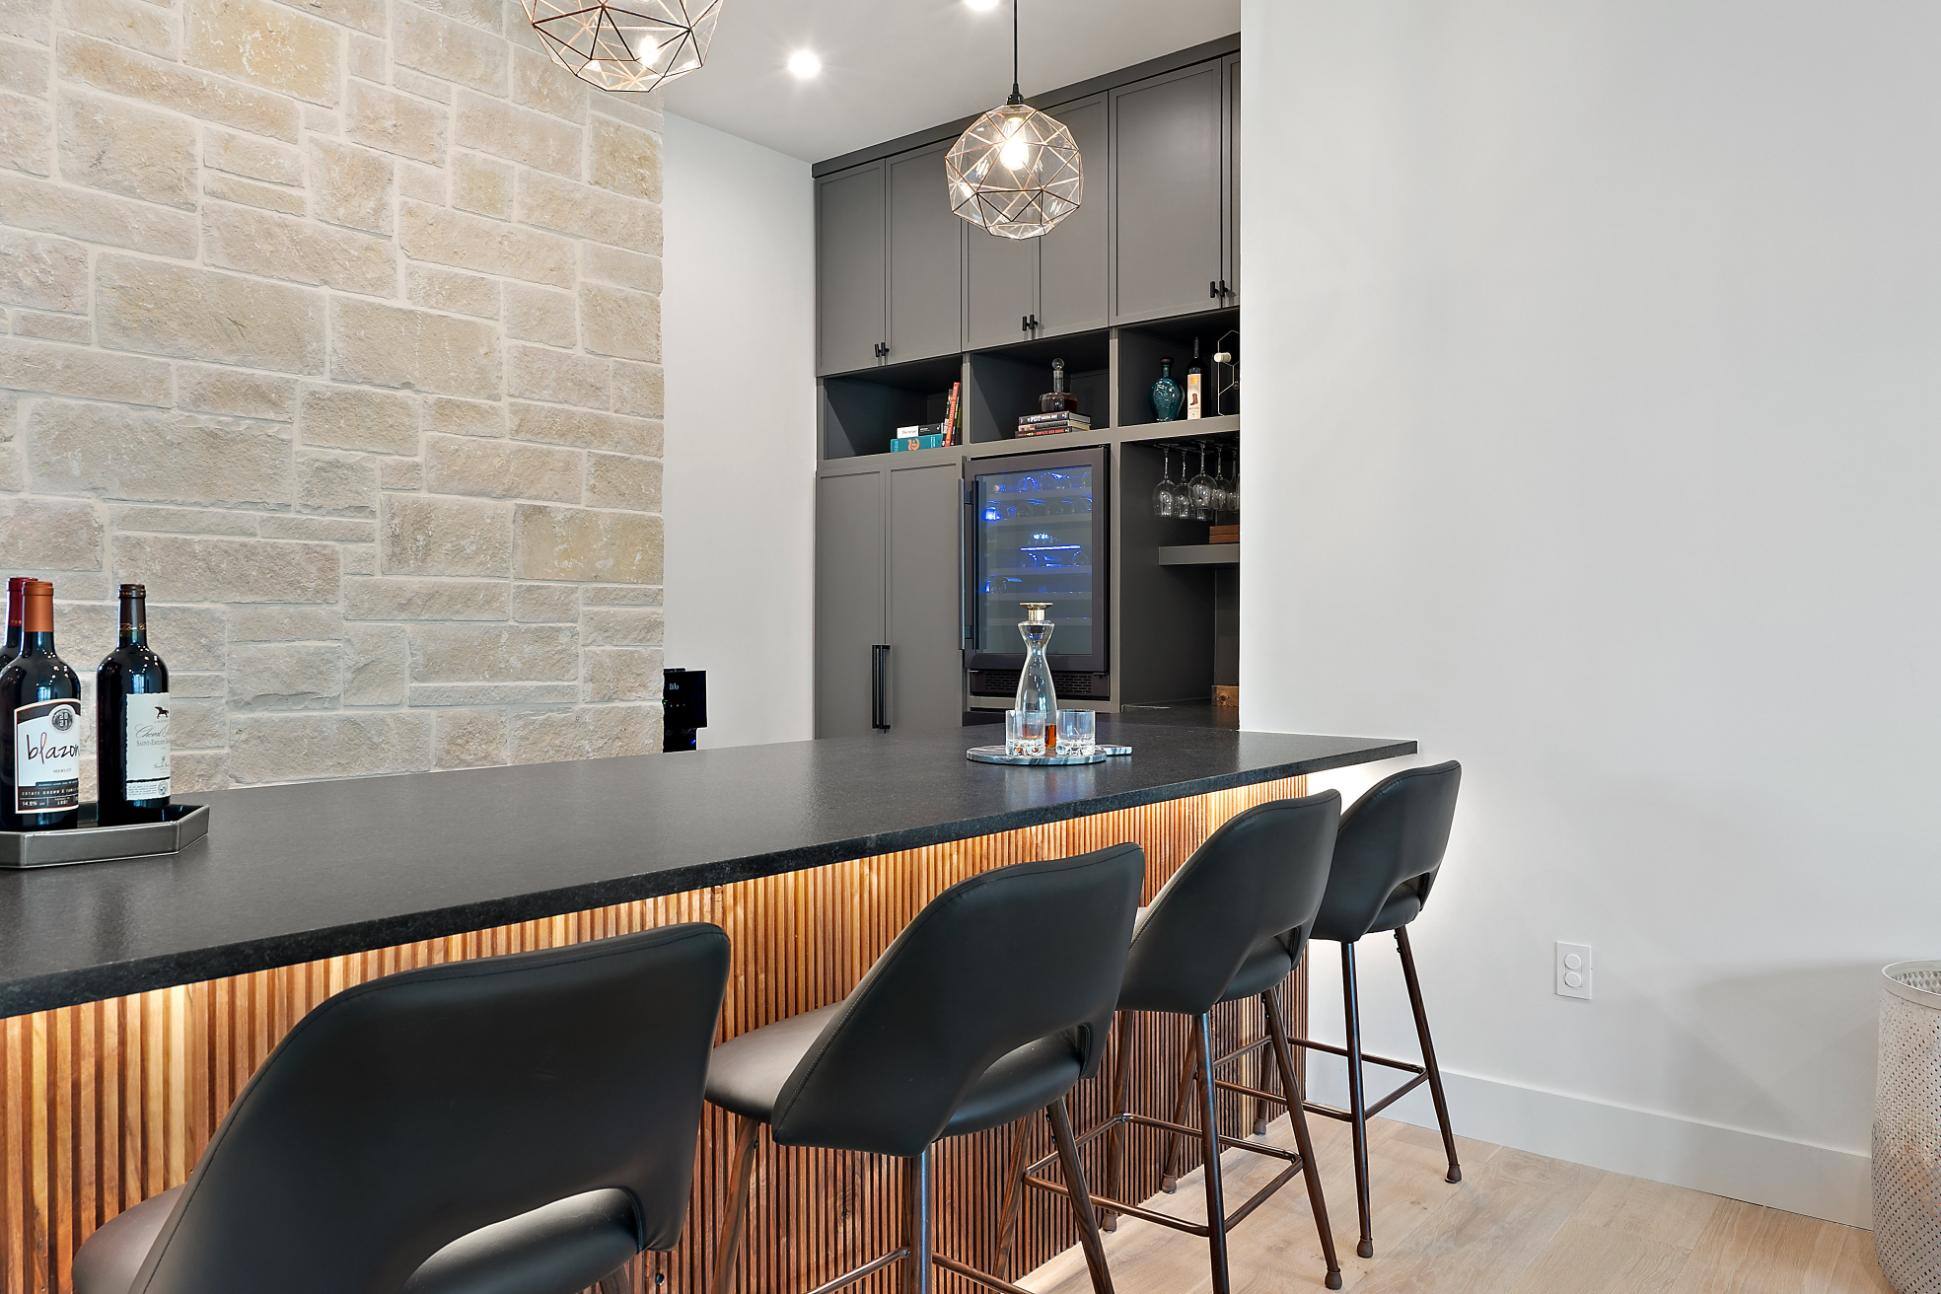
1076 256
1000 287
851 269
926 260
1231 276
926 636
887 575
848 600
1168 139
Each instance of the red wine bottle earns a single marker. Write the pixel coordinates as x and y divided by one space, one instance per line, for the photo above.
131 706
16 594
40 726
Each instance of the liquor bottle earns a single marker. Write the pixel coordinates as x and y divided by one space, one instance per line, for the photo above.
1166 395
16 594
40 726
1195 382
131 706
1058 399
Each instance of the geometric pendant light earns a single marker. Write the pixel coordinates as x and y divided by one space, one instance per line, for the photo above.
628 46
1016 172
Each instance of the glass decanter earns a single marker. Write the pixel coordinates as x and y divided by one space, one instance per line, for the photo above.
1036 695
1167 395
1058 399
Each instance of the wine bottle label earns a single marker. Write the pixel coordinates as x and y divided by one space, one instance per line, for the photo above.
47 757
1192 395
147 745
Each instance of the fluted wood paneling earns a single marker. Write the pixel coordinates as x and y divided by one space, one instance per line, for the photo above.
111 1102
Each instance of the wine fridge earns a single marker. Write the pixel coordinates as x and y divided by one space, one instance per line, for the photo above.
1035 530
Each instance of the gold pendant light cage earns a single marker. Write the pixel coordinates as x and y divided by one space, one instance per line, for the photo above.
1016 172
630 47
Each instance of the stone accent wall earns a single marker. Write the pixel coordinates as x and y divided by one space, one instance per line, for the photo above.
337 324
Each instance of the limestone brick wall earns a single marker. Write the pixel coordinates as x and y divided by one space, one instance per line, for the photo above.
337 324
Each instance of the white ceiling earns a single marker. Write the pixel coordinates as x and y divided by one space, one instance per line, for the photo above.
891 67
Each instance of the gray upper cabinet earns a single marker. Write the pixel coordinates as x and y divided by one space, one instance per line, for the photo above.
848 600
1231 64
851 269
1076 256
926 633
1000 287
1168 193
926 261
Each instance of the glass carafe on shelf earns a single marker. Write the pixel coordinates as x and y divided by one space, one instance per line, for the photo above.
1036 695
1058 399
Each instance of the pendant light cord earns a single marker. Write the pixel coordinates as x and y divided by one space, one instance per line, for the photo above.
1016 97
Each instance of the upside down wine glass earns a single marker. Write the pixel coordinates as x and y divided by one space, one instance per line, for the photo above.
1165 495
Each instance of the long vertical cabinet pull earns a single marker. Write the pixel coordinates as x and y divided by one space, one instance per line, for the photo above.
879 698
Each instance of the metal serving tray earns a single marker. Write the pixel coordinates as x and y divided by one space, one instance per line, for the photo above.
998 755
92 843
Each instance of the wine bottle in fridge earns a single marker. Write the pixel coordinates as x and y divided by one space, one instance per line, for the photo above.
40 726
131 710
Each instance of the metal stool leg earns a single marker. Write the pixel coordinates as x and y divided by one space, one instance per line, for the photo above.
1428 1051
916 1190
1115 1145
1007 1225
1169 1153
1216 1207
1357 1101
1080 1195
1297 1111
740 1180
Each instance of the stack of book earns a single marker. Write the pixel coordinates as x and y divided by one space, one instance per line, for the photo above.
932 435
1051 424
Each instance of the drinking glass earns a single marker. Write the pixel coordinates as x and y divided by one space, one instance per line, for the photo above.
1078 732
1165 495
1222 483
1024 734
1199 491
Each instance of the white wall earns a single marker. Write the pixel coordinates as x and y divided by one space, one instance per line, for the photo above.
1600 448
738 331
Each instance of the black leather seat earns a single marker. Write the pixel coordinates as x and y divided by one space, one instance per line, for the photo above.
518 1125
1231 923
1385 864
991 1004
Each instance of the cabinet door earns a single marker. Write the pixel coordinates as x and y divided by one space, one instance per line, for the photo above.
1233 178
848 600
850 264
926 603
926 260
1167 203
1076 256
1000 286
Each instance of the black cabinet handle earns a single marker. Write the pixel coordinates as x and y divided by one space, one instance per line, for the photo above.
879 700
1035 325
1024 323
1213 289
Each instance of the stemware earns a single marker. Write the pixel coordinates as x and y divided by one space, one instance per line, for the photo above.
1199 490
1165 495
1233 486
1222 483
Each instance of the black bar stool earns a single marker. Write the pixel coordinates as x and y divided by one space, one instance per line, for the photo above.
1391 846
1232 923
991 1004
518 1123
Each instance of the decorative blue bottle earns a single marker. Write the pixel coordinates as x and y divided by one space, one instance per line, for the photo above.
1167 396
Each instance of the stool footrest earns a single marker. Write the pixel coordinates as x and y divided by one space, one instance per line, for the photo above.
977 1277
1406 1066
867 1269
1335 1112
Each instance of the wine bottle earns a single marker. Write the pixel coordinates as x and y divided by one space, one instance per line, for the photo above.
16 594
131 711
40 725
1195 386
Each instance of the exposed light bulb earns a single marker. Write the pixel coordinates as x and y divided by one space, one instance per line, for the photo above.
805 64
1015 155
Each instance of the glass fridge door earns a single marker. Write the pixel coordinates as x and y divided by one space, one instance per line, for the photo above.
1038 536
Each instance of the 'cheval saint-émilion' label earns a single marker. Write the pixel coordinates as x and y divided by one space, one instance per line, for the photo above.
147 745
47 757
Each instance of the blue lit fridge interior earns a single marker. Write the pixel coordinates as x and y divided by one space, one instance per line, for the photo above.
1035 543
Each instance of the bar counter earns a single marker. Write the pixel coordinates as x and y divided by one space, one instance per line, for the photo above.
136 997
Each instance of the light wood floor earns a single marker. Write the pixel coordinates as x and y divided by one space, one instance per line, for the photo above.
1517 1224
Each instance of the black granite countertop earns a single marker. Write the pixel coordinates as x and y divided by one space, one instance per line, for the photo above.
294 873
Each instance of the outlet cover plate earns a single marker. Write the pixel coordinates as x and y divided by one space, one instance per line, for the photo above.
1573 970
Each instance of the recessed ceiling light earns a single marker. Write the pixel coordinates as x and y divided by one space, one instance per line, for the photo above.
982 6
805 64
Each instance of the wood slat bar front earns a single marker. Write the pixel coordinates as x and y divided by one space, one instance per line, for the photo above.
108 1103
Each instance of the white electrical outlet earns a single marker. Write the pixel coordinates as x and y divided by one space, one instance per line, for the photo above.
1573 970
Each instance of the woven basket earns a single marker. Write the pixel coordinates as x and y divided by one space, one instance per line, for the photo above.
1907 1129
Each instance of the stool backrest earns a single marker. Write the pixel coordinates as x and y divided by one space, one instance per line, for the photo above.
1007 958
1392 839
1258 878
410 1111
